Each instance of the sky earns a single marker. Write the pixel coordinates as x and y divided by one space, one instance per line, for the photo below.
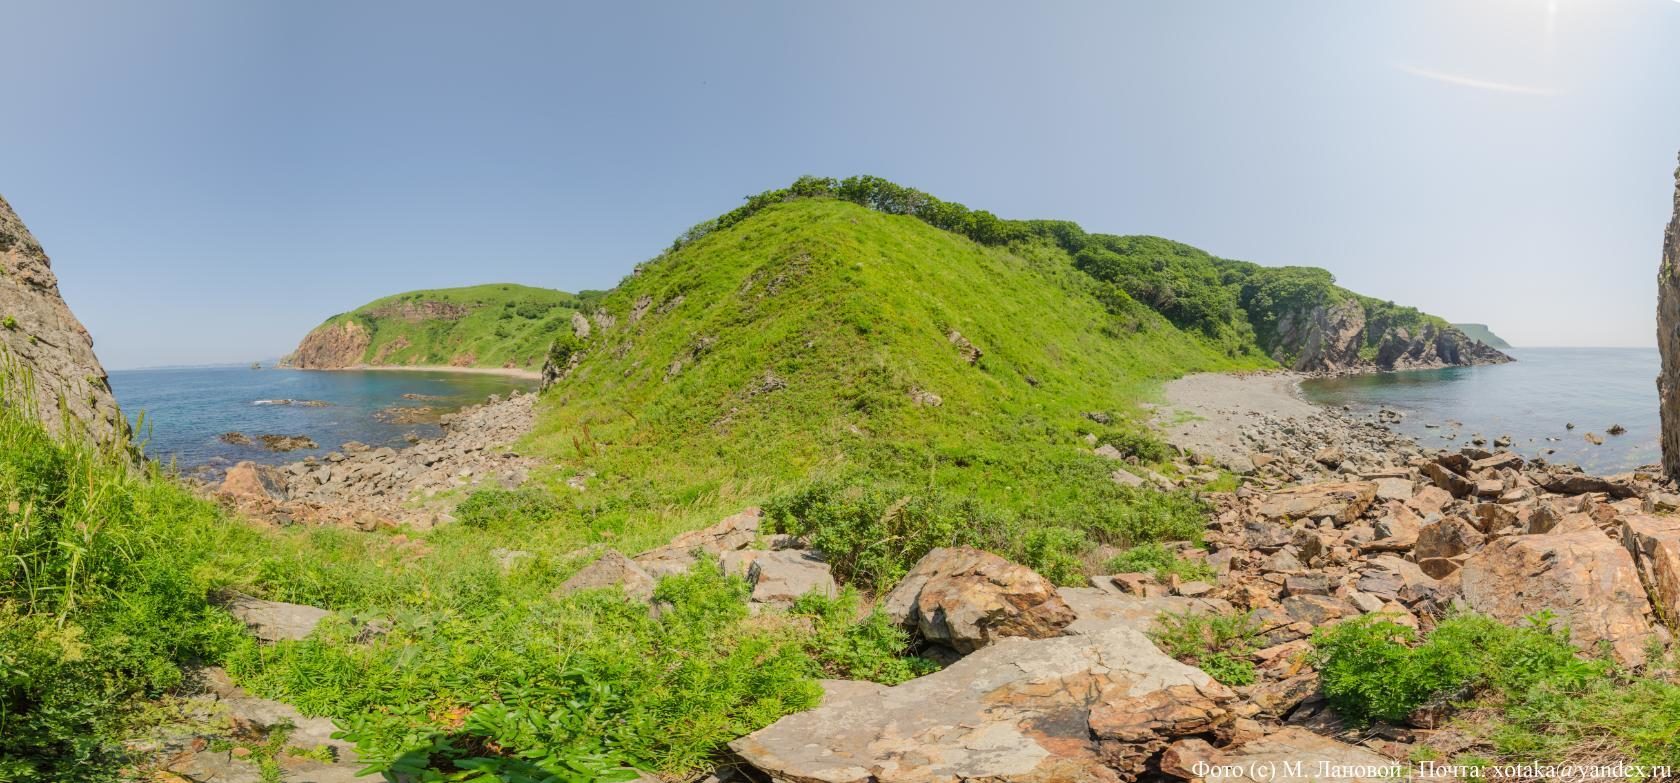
212 179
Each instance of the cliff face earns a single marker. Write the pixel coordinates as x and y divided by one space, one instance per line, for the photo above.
1668 339
331 346
1334 337
38 331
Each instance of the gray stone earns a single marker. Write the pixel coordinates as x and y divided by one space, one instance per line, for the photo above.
613 569
274 621
1064 708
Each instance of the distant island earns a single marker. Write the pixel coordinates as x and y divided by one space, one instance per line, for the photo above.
1482 334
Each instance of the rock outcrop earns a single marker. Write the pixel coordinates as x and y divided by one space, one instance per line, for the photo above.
1334 336
1585 578
964 599
331 346
1668 340
38 331
1070 708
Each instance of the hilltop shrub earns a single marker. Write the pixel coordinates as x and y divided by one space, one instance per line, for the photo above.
873 529
1143 445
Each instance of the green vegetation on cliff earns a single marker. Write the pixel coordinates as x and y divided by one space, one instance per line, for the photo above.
1240 308
497 325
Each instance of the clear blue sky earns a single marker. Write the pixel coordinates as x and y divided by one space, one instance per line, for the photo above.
213 178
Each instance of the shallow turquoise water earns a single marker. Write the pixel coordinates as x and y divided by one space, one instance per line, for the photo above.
186 410
1531 399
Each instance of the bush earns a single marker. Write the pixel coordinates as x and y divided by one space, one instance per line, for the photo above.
849 648
873 534
1219 644
502 508
1372 668
1137 443
1164 563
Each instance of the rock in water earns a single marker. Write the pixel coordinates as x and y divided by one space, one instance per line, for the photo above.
38 330
1668 340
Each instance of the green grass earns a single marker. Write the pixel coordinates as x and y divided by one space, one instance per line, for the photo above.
496 325
1527 694
105 571
800 334
1164 563
1219 644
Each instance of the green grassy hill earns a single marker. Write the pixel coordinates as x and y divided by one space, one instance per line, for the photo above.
803 343
497 325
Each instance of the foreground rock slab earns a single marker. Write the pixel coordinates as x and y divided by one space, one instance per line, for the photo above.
965 599
1070 708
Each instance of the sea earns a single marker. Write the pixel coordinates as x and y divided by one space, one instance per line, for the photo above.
1534 400
181 413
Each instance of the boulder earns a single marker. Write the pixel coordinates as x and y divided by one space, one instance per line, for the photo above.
1449 537
1341 501
1392 579
1430 500
1587 580
780 577
251 481
1581 484
734 532
1394 489
1446 478
274 621
1126 478
1654 543
965 598
613 569
1080 709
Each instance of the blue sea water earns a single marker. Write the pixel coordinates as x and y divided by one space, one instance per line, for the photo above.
1531 399
186 410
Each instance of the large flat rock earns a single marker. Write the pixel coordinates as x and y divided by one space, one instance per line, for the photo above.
1342 501
1017 710
1584 577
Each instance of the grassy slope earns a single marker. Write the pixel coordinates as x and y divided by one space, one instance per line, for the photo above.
850 308
508 326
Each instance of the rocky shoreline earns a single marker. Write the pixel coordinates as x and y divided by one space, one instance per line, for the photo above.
1338 518
366 487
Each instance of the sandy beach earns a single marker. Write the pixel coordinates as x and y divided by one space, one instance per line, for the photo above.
1206 412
